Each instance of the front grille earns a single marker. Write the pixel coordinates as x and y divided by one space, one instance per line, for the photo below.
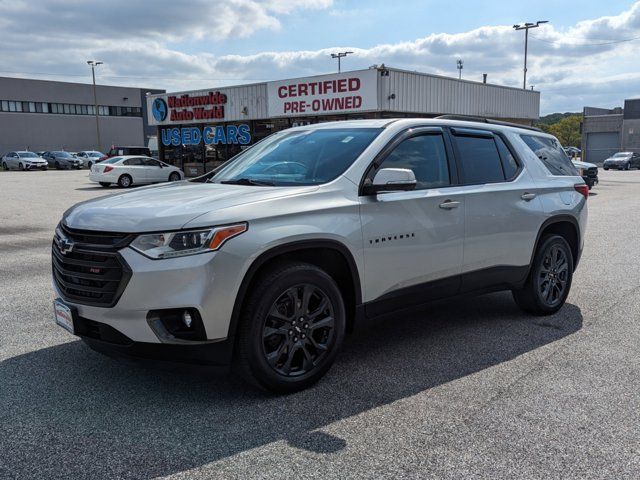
91 272
592 172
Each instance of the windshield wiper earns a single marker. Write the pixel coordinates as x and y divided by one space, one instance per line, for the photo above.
248 181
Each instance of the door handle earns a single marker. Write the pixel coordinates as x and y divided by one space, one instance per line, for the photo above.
526 196
448 205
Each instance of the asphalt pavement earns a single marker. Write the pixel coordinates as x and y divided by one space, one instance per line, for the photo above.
461 389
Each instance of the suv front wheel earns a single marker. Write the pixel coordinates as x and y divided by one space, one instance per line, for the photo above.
549 281
291 328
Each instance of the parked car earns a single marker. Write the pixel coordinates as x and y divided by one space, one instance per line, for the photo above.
573 152
62 160
23 160
123 151
622 161
588 172
267 268
133 170
89 157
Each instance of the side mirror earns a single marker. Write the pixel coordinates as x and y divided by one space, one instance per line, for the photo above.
392 180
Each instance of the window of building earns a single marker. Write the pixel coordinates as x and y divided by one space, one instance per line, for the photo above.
91 109
32 107
12 106
66 108
38 107
426 156
549 151
4 105
25 106
84 110
480 159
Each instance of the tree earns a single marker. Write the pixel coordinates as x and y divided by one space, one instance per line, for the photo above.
567 131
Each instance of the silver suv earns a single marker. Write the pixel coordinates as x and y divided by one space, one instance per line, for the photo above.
266 264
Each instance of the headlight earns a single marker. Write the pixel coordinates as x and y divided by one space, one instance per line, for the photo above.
186 242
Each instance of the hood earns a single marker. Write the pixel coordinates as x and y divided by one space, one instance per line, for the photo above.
166 207
583 164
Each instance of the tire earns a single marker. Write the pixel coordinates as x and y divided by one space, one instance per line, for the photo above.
544 276
5 166
89 165
105 184
125 181
605 168
20 166
626 167
294 355
57 165
174 177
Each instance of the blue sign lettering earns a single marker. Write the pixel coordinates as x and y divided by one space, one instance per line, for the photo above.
231 134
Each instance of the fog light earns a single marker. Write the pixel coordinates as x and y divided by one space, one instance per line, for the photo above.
186 319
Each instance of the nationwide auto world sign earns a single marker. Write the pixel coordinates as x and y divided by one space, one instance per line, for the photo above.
340 93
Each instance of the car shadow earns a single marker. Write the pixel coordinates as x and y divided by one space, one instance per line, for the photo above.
83 412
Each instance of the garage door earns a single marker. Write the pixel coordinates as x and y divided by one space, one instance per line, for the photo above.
601 146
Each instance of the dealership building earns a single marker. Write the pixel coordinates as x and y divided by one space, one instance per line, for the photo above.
607 131
45 115
197 130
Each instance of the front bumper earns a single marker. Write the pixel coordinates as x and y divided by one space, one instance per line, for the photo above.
203 282
105 339
590 181
36 166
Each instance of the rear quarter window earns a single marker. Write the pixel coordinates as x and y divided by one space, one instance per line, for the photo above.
551 154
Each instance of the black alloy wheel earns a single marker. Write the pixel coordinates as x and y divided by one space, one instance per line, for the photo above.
291 327
553 275
298 330
549 281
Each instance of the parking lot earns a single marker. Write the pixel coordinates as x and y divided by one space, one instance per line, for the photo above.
462 389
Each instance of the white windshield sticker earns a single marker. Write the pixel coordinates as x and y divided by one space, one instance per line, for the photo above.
347 139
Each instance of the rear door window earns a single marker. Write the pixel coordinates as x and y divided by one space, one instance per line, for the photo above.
549 151
479 158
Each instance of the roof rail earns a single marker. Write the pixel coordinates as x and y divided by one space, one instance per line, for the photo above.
470 118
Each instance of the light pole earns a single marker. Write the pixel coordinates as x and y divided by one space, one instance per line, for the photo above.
526 28
459 66
93 65
339 55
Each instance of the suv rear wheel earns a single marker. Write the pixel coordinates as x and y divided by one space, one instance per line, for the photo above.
291 328
549 282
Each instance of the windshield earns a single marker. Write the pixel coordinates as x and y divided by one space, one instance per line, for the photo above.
622 154
27 155
301 157
63 154
95 154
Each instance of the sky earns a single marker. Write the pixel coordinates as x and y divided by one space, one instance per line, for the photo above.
588 53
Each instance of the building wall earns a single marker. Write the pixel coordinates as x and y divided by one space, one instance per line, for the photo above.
39 131
47 131
601 137
402 91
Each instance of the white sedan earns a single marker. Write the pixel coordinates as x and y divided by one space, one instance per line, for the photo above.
133 170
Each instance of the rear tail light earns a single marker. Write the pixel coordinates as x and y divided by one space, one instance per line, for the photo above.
107 169
582 189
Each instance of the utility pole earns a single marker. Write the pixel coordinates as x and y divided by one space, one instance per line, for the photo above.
526 28
339 55
93 65
459 66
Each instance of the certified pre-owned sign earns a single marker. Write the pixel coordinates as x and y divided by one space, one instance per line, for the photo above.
339 93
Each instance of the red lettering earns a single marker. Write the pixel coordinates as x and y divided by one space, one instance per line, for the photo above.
342 85
354 84
282 91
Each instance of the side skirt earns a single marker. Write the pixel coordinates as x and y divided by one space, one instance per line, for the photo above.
487 280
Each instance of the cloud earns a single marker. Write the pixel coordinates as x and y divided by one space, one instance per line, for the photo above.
572 67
